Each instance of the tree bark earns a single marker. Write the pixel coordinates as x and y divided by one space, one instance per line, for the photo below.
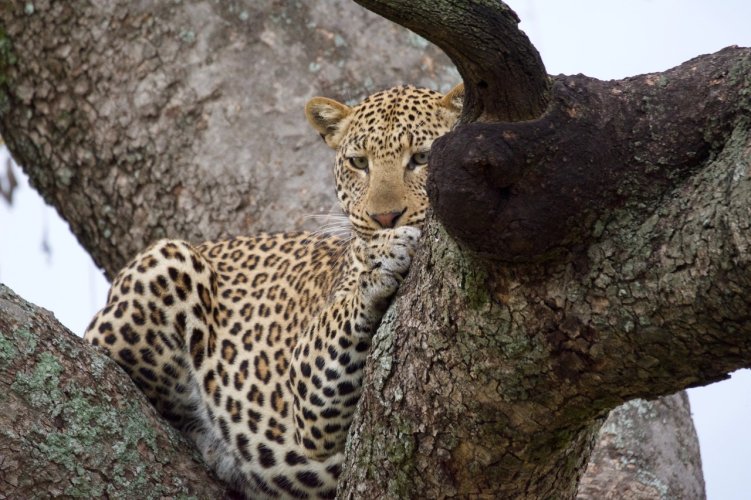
74 425
601 147
139 121
504 78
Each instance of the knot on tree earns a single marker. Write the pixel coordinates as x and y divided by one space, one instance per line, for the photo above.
515 191
535 190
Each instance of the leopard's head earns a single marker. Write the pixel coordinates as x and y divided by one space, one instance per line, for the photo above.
382 147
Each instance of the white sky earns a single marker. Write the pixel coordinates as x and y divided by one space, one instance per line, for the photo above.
604 39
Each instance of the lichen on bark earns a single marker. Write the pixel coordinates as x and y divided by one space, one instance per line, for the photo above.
74 425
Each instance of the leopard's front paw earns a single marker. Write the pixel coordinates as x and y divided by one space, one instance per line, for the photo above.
387 257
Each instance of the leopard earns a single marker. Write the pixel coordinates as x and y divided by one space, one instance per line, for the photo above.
254 346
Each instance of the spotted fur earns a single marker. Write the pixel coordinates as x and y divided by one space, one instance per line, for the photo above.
254 346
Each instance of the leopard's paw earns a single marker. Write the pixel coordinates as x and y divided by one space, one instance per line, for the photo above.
392 249
388 256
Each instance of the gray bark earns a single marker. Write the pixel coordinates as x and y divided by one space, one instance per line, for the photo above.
646 449
185 119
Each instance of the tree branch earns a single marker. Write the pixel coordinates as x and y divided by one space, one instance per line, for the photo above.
641 187
503 74
582 297
539 187
74 425
646 449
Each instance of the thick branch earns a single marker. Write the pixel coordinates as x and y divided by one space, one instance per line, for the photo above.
519 192
641 187
669 291
503 73
74 425
646 449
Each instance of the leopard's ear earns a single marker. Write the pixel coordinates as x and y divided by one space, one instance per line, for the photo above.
454 100
329 118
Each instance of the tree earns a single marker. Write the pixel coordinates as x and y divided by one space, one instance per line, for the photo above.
603 243
536 317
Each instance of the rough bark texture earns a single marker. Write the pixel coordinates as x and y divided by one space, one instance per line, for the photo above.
140 120
73 424
454 387
626 228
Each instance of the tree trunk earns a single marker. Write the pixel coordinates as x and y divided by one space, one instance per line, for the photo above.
74 425
139 121
602 255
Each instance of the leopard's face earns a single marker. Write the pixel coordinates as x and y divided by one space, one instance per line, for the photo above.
382 147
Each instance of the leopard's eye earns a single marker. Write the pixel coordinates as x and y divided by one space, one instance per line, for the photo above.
359 162
417 160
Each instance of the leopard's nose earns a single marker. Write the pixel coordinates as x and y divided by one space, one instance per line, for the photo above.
387 219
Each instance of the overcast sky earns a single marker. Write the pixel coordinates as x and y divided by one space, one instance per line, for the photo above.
41 261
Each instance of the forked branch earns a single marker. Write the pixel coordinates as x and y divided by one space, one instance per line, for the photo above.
503 73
